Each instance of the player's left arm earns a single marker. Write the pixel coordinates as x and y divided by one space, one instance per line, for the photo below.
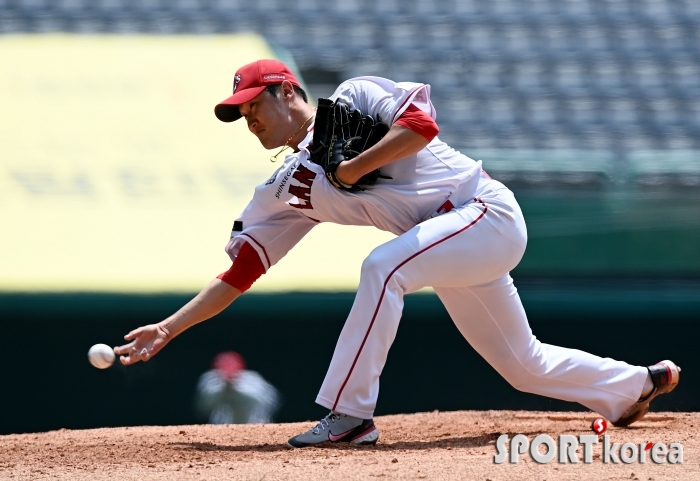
400 142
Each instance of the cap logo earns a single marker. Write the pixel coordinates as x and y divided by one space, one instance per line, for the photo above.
236 81
271 77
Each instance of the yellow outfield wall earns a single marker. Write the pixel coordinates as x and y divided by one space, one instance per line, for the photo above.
115 175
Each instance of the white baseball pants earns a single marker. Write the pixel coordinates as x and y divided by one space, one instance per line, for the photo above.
465 255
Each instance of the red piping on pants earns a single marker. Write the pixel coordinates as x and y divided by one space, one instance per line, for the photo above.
381 297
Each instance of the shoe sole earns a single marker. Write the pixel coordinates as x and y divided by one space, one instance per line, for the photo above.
369 439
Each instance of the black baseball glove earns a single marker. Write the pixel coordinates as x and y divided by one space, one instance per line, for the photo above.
341 134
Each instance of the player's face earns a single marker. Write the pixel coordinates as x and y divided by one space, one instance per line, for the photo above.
268 119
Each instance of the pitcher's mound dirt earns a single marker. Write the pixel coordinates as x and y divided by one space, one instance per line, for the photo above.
437 445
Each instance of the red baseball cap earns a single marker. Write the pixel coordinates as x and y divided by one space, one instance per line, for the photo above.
249 82
229 363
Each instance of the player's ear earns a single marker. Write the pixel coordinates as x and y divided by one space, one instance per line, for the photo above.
287 90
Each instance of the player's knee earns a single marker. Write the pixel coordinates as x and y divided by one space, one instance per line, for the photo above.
521 380
512 374
518 383
374 264
383 266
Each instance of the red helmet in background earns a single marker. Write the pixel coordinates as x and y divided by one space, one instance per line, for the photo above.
229 363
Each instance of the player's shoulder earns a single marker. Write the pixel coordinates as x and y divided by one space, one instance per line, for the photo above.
210 381
369 84
250 381
378 96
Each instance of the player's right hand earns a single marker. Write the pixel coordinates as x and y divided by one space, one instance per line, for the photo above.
145 343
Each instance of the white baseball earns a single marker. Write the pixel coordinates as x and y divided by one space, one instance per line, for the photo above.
101 356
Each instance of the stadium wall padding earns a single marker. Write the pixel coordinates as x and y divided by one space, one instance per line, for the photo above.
289 338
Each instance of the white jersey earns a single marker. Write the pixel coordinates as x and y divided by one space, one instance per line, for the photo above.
298 196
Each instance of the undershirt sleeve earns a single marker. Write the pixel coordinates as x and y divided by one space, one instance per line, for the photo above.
245 270
418 121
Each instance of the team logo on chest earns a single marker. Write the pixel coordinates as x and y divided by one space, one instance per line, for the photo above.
302 192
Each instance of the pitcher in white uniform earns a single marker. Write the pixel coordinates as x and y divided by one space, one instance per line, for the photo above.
458 231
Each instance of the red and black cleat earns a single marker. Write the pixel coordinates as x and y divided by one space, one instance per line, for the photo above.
665 376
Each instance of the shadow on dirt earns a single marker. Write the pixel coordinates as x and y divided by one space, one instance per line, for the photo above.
446 443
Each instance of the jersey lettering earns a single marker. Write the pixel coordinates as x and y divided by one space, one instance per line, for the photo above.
304 175
303 194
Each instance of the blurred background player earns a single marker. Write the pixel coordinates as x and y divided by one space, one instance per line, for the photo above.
231 394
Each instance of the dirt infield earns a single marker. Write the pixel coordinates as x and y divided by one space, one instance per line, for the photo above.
437 445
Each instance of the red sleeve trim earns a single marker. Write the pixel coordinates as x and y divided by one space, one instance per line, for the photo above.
246 269
259 245
410 97
418 121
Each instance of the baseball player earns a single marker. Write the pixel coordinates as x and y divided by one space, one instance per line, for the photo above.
231 394
458 231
